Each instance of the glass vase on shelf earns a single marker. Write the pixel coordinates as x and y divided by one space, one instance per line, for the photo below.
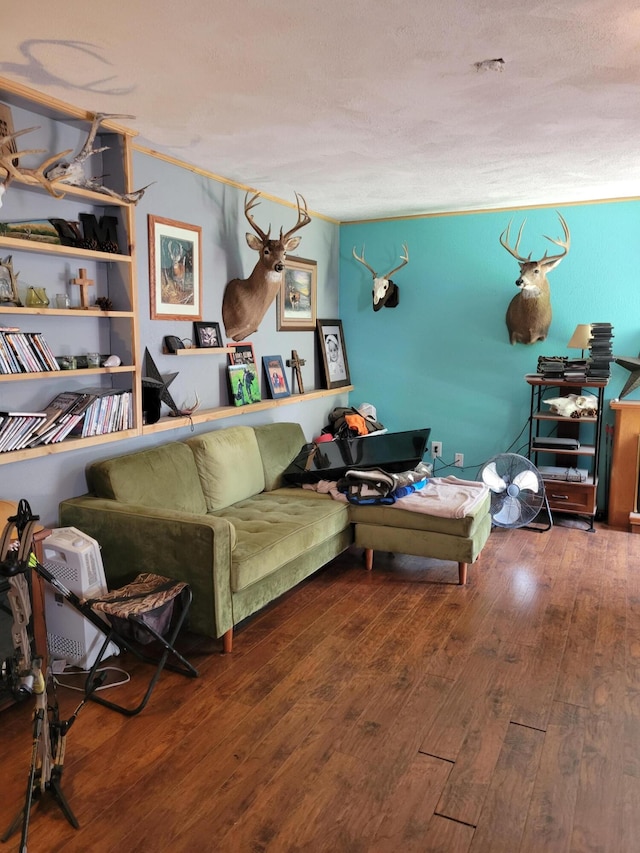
37 297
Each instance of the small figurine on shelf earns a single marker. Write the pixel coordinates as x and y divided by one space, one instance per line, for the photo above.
296 363
8 283
83 283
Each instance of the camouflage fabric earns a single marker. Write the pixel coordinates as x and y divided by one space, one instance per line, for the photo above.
146 593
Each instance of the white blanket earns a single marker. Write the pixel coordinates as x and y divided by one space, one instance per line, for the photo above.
447 497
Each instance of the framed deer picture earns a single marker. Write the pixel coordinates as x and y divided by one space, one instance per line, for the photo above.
175 270
296 299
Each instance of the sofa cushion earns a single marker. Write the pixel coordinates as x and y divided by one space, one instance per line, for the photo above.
229 464
279 445
163 477
274 528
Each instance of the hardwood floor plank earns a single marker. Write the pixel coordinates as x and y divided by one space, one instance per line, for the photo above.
631 814
445 836
502 820
573 685
446 736
466 789
406 814
549 824
533 697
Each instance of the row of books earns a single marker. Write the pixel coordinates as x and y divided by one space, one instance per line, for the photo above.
86 412
25 352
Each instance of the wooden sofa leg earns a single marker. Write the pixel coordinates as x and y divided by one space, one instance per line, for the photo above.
227 641
462 573
368 558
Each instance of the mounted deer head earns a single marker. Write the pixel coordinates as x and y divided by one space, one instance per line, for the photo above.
386 294
245 301
529 312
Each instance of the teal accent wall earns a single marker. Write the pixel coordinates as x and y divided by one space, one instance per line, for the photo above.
442 358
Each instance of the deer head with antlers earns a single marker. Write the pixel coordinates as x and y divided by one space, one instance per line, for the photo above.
385 292
529 312
245 301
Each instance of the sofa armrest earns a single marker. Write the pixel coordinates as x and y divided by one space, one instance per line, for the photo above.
180 545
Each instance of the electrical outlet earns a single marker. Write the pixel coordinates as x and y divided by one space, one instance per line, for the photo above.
459 460
436 448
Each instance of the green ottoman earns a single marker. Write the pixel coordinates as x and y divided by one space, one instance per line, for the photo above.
387 528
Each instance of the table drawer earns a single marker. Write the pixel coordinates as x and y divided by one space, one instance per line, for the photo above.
571 497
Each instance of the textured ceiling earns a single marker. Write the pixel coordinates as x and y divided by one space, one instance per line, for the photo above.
369 108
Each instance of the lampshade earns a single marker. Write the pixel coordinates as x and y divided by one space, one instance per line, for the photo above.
580 337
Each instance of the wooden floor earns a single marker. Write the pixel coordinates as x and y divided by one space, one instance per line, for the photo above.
391 711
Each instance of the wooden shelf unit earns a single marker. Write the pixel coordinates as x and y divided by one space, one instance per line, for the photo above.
220 412
25 197
567 496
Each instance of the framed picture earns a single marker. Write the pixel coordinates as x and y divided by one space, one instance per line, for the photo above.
175 269
243 384
206 334
274 369
8 283
241 353
333 353
296 299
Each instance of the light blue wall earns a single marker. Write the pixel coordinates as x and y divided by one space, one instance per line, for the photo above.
180 194
442 358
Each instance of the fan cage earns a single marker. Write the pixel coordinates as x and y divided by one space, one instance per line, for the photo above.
516 488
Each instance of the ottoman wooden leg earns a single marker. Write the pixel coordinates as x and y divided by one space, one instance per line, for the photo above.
368 558
462 573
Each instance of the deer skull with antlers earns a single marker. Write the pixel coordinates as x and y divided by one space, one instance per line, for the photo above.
386 293
529 312
245 301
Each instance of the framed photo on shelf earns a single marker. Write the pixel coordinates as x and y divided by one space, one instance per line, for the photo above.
206 334
175 269
296 299
241 353
333 353
274 370
243 384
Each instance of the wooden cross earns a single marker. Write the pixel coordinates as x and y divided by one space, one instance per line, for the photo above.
83 283
296 374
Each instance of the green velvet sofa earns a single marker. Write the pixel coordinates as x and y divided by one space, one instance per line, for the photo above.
212 511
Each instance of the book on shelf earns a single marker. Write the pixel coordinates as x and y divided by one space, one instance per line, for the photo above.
25 352
69 419
109 411
54 412
17 427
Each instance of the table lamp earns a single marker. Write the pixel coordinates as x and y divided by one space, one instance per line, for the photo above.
580 337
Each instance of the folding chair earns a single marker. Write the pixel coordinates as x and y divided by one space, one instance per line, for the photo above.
150 608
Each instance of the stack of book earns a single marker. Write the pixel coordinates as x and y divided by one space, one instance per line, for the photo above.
63 414
86 412
17 428
25 352
600 351
111 410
